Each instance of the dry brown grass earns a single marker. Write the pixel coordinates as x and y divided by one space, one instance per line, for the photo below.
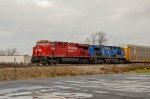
47 72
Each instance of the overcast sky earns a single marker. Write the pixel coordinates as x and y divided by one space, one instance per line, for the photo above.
24 22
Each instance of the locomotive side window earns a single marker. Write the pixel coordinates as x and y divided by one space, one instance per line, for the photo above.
45 44
42 43
39 44
119 51
52 44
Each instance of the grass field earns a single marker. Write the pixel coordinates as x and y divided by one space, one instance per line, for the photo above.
140 71
47 72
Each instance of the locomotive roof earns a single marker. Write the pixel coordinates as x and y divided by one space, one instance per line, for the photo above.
43 41
97 46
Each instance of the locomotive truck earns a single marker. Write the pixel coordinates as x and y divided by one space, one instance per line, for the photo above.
47 52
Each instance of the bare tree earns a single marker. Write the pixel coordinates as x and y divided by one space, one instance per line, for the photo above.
101 38
87 40
98 38
9 52
91 39
2 52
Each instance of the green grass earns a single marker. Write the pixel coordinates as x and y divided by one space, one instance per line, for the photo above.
140 71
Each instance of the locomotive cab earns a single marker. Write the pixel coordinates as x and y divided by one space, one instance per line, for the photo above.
40 51
42 48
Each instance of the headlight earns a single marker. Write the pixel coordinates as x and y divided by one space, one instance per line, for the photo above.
38 50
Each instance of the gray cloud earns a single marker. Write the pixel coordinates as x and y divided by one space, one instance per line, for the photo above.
23 22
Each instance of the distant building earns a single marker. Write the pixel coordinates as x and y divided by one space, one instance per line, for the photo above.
20 59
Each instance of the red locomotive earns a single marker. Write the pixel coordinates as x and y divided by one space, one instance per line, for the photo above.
46 52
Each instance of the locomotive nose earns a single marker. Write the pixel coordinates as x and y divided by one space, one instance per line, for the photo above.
38 51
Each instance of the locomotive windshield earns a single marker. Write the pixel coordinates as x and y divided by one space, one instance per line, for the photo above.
43 43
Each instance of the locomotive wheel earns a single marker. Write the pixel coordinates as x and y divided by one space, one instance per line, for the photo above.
120 61
43 63
87 62
102 61
80 61
53 62
99 61
95 61
50 63
83 61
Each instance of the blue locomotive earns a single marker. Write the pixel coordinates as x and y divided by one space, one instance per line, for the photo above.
106 54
